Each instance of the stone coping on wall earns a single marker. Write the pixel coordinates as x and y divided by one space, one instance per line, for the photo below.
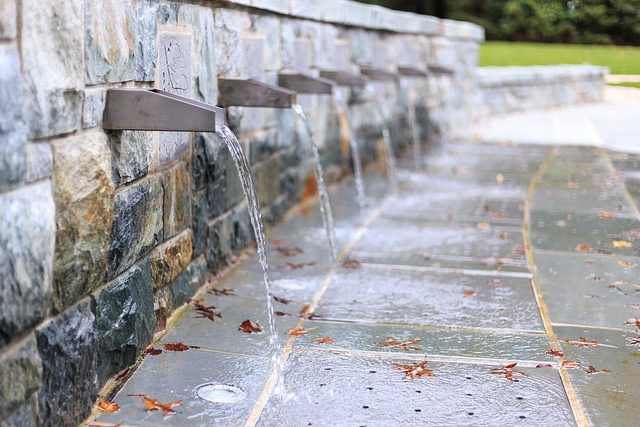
351 13
528 75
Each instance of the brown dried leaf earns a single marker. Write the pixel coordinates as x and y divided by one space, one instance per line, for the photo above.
633 341
176 346
567 364
124 373
468 294
205 312
278 241
281 300
250 327
582 248
592 370
300 331
508 371
153 404
411 371
390 342
292 266
351 263
221 292
582 342
483 225
555 353
289 252
108 407
635 321
324 340
153 351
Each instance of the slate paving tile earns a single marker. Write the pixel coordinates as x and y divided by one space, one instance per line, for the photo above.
188 370
414 238
332 389
557 231
435 342
430 299
607 398
588 290
445 263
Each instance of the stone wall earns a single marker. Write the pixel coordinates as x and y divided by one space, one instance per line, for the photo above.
104 234
507 89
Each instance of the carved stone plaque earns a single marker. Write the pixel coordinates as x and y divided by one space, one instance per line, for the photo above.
174 76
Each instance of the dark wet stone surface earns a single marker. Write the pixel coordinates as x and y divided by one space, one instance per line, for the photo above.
20 375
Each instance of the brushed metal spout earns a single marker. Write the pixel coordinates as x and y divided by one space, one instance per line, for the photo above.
378 74
304 83
438 70
155 109
408 71
343 78
253 93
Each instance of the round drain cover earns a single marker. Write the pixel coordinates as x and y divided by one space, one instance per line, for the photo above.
220 393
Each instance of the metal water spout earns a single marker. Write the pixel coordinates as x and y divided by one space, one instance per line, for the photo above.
304 83
157 110
378 74
253 93
344 78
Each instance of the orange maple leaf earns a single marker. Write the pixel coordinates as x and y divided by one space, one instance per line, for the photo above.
108 407
324 340
592 370
555 353
567 364
508 371
411 371
300 331
154 404
390 342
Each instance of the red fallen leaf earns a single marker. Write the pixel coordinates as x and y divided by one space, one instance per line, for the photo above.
468 294
300 331
220 292
592 370
108 407
278 241
306 316
583 248
324 340
176 346
390 342
494 282
249 326
153 404
411 371
289 252
582 342
555 353
124 373
281 300
508 371
635 321
205 312
292 266
567 364
153 351
351 263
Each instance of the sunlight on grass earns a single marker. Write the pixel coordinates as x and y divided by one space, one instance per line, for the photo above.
626 84
620 59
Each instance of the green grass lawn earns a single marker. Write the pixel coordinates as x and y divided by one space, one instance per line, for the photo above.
626 84
620 59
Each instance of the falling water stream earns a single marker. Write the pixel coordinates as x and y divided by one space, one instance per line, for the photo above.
355 152
323 194
248 188
386 139
413 127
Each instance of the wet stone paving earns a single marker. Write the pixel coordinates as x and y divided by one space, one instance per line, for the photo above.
499 286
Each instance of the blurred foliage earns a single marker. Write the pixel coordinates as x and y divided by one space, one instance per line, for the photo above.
558 21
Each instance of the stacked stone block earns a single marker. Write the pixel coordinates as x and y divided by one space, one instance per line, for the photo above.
104 234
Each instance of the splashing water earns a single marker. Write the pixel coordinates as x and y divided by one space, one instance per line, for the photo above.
355 153
253 206
323 194
386 138
413 127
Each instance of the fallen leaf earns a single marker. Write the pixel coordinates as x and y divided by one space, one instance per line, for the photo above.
582 342
278 241
617 290
620 282
508 371
153 351
390 342
627 264
500 178
483 225
205 312
411 371
605 214
583 248
634 321
590 296
497 216
305 309
176 346
622 244
289 252
108 407
567 364
588 262
351 263
282 300
555 353
125 372
324 340
249 326
468 294
292 266
503 235
221 292
592 370
153 404
494 282
300 331
633 341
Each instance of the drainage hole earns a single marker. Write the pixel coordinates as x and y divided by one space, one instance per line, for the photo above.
468 378
220 393
516 381
372 372
418 391
469 394
322 385
369 388
469 413
522 417
520 398
365 406
327 369
418 410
